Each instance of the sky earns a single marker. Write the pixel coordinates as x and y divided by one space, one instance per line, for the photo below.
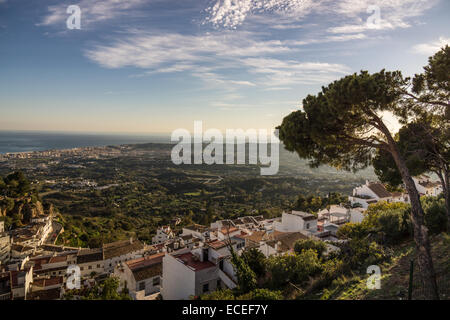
153 66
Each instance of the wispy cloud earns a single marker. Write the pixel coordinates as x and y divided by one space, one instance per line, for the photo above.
92 11
232 13
277 73
394 13
153 51
209 56
431 47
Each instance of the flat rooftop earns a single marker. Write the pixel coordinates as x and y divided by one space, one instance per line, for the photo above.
193 262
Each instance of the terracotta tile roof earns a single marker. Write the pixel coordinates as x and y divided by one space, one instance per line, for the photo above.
256 236
193 262
89 255
148 272
217 244
57 259
51 294
379 189
241 235
147 267
228 230
48 282
119 248
145 261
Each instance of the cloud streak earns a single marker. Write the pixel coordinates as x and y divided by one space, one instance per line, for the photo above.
92 11
210 57
431 47
394 13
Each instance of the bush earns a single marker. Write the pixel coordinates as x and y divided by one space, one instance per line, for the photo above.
435 214
389 222
295 268
262 294
256 260
394 225
361 253
353 231
318 246
219 295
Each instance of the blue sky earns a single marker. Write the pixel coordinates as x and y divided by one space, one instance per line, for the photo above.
158 65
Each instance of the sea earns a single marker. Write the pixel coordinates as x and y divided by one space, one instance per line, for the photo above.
24 141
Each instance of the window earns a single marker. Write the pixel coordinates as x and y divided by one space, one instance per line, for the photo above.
141 285
156 281
218 284
98 266
90 267
307 226
205 287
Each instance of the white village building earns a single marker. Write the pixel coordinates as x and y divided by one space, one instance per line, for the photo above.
188 273
426 186
142 276
296 221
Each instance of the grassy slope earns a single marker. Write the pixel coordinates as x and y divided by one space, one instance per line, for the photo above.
395 276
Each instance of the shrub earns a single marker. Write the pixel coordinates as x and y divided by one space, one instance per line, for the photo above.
435 214
318 246
256 260
262 294
226 294
295 268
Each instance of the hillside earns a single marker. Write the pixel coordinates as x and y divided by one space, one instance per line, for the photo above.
395 276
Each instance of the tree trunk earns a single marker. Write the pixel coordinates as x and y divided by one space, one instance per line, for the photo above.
425 261
446 190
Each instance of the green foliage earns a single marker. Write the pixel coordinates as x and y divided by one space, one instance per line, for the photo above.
262 294
306 244
224 294
333 127
7 203
107 290
394 224
388 223
312 203
417 143
361 253
15 185
435 213
432 86
256 260
245 275
352 230
293 268
256 294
